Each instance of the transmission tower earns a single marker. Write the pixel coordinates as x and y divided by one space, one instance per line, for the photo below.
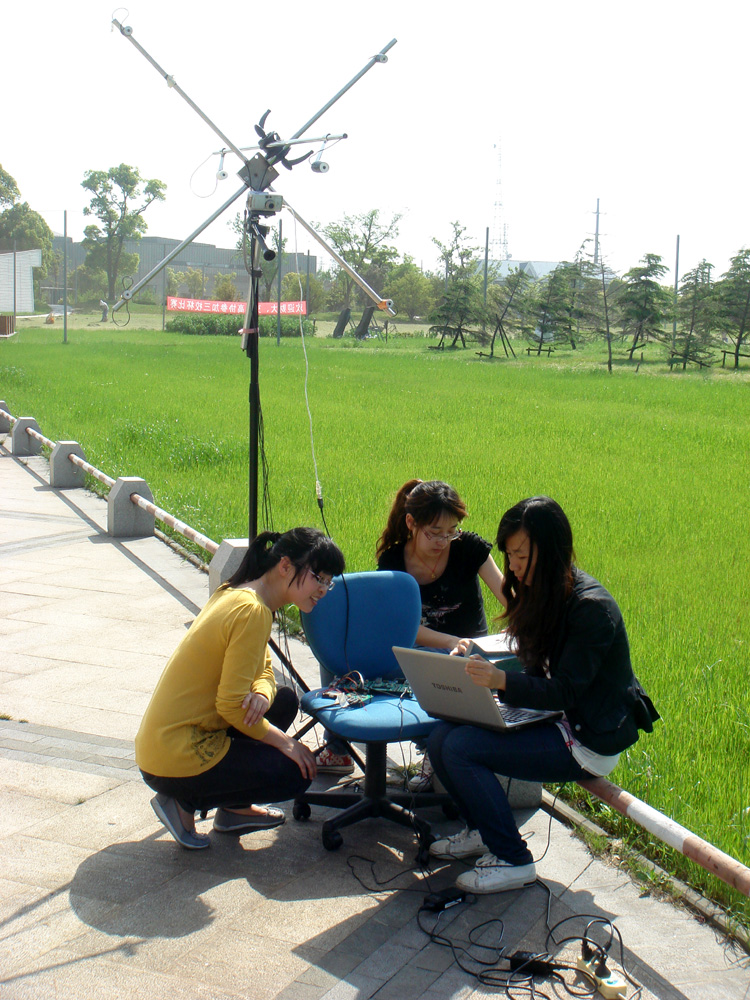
499 241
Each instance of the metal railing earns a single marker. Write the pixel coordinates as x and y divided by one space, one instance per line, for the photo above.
162 515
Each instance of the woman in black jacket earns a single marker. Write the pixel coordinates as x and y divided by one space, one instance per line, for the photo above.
569 635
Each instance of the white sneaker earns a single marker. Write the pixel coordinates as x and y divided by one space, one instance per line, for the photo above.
493 875
461 845
422 780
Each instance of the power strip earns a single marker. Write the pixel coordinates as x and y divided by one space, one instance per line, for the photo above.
611 986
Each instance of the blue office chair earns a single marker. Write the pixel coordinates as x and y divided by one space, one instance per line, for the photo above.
354 628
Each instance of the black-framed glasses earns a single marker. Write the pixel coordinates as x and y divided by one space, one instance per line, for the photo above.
326 584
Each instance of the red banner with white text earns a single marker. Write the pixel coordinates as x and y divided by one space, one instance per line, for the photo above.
177 304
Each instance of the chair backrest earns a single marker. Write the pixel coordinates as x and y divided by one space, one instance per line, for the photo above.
355 625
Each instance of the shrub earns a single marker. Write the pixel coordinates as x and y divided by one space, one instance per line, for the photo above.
227 326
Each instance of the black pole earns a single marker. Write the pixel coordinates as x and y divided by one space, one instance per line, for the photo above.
15 317
307 287
278 291
254 388
65 277
251 333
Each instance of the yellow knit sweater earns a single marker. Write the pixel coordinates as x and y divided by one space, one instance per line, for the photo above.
223 656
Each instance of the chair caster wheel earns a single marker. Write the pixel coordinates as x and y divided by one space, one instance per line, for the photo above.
301 811
332 840
450 810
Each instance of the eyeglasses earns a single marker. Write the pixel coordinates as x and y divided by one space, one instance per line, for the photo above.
441 536
325 584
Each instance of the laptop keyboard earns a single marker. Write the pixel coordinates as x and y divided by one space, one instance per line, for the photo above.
513 714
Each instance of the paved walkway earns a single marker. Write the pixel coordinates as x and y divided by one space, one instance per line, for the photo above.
96 900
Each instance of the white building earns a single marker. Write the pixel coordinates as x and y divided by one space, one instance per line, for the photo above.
26 261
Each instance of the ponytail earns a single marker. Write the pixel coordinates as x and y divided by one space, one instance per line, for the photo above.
305 548
395 530
426 502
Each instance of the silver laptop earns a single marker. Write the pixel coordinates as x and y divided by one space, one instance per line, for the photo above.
443 689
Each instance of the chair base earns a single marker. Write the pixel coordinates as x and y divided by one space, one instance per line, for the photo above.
375 800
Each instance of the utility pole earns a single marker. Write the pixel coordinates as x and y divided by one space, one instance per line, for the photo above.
486 260
596 235
676 283
65 277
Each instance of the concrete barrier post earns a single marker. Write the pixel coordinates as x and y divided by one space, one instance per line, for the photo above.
226 561
124 518
63 474
21 442
4 421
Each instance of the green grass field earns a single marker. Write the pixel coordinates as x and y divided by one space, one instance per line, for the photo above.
652 467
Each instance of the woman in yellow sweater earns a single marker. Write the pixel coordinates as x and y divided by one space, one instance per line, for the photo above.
214 733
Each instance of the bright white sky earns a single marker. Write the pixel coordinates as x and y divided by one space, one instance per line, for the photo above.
640 104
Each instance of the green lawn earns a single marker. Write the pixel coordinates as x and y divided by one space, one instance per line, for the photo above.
652 467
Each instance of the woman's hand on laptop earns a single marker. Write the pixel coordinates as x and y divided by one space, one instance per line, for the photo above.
485 674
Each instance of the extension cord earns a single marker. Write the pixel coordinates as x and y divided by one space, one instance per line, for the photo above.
612 986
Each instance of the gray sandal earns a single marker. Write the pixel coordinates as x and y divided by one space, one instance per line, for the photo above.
226 821
167 811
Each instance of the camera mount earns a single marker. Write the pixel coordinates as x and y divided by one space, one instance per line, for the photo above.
257 175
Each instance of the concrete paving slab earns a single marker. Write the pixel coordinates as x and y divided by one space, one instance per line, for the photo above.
50 784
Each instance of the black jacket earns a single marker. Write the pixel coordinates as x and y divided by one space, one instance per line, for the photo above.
591 678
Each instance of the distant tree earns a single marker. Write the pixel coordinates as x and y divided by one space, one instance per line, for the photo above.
24 229
193 278
459 256
559 310
174 280
225 289
644 305
596 293
412 291
696 314
114 203
362 240
9 193
603 314
733 303
90 282
462 303
291 284
510 299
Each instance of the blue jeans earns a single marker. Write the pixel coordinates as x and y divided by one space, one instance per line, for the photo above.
467 758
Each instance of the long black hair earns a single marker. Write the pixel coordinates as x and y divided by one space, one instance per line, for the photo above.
305 548
426 502
535 609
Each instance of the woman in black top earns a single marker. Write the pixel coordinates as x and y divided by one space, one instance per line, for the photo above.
570 637
423 538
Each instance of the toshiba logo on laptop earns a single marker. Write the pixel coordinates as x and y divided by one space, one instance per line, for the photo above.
446 687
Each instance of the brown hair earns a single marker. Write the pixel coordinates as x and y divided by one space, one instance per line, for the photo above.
426 502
